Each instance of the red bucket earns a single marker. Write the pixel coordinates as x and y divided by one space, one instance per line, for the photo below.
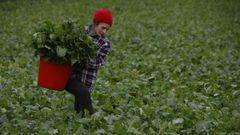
53 76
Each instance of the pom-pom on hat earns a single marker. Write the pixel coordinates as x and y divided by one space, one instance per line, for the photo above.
103 15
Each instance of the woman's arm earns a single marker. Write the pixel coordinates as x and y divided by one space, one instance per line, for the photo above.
100 60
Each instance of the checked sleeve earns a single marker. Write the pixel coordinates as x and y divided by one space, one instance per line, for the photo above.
100 60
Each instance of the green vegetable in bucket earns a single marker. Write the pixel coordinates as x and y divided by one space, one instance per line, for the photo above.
64 43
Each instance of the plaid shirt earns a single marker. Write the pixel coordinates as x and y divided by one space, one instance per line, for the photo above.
88 74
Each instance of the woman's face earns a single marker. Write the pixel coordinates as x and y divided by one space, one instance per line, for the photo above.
101 29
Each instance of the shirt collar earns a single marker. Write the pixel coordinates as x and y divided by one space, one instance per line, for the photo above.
88 29
92 34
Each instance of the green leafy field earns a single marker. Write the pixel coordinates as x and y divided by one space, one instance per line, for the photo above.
174 68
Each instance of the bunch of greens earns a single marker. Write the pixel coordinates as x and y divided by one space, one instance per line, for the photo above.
67 42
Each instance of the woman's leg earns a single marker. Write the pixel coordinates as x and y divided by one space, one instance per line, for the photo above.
73 88
82 95
85 98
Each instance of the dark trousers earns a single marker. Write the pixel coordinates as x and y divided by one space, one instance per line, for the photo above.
81 94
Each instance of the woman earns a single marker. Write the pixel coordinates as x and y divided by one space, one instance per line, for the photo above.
84 76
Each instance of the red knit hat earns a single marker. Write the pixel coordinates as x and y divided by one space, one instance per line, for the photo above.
103 15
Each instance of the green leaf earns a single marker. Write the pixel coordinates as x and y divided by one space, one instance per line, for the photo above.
178 121
61 52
